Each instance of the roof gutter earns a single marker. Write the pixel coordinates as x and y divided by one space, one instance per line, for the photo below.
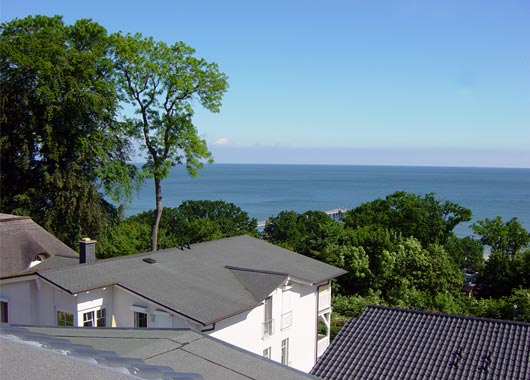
55 284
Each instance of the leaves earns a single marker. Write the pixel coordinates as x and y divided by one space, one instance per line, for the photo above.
61 143
162 82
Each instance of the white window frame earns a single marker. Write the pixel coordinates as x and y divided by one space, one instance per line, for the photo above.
285 351
267 353
137 310
96 317
268 320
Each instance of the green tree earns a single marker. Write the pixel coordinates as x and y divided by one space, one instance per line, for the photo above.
508 238
466 252
162 83
425 218
60 143
191 222
231 219
312 233
420 274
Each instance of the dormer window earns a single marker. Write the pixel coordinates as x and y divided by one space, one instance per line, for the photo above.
39 258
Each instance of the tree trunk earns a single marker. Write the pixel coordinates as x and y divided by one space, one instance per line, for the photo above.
158 215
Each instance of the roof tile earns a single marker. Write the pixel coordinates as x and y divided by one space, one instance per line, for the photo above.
405 344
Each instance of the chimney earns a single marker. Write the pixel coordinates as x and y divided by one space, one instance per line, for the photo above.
87 251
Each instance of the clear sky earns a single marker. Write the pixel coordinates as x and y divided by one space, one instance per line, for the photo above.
347 82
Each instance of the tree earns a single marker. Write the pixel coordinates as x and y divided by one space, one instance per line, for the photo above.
466 252
231 219
60 142
424 218
508 238
162 83
191 222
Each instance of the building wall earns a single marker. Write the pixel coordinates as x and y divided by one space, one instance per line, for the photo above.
124 316
293 305
33 301
18 297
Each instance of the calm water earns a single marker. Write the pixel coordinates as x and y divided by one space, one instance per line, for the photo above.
265 190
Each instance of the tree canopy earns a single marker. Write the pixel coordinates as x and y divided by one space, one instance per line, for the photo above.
191 222
61 143
424 217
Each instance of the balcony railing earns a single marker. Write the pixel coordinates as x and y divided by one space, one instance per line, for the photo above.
322 344
287 320
268 328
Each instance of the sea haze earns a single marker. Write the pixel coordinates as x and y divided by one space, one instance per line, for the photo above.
264 190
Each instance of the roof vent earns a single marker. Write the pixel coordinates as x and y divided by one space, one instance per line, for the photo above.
149 260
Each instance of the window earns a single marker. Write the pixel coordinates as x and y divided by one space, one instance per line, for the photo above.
65 319
268 326
285 351
267 353
101 318
4 316
97 318
140 319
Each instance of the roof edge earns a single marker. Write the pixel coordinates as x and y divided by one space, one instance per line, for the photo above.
434 313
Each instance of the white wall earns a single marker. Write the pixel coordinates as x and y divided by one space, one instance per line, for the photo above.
33 301
19 301
246 330
124 316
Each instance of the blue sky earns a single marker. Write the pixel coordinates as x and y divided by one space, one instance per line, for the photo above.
347 82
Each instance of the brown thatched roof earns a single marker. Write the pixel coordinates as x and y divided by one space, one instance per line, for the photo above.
22 241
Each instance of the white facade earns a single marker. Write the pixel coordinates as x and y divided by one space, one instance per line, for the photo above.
286 333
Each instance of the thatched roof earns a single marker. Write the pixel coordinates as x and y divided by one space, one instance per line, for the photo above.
22 241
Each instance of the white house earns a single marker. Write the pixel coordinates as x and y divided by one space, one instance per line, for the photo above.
242 290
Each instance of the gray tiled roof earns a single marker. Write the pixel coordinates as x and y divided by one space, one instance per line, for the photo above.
181 350
390 343
21 240
208 283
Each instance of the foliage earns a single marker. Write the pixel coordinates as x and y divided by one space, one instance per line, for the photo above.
60 142
191 222
467 253
162 83
424 218
501 274
508 238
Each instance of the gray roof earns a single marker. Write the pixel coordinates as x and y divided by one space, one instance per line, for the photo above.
390 343
209 282
178 350
22 240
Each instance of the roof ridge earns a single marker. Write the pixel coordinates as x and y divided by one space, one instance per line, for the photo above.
438 313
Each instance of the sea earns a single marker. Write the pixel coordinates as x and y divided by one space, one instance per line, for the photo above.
264 190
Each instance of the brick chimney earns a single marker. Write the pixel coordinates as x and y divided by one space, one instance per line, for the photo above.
87 251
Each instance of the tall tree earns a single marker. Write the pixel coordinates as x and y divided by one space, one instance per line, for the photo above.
162 83
60 142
